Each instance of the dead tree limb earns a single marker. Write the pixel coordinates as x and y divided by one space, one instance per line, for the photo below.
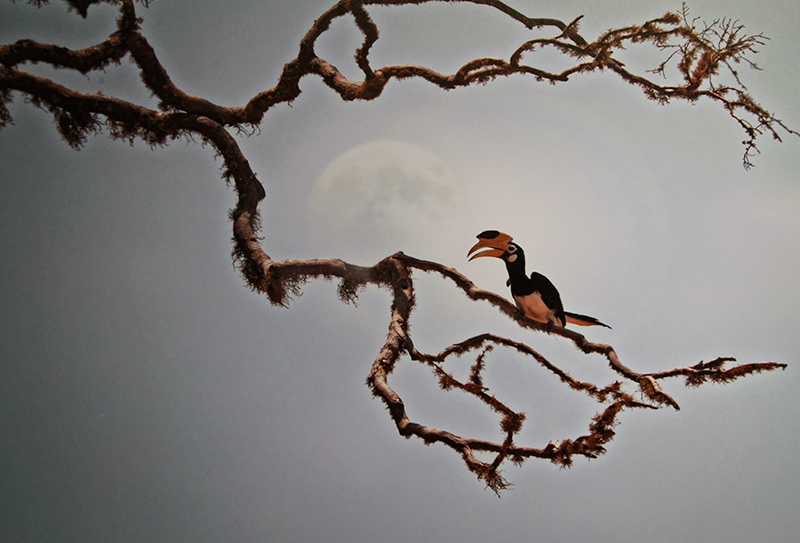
696 54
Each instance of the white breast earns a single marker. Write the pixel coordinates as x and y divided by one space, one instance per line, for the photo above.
534 308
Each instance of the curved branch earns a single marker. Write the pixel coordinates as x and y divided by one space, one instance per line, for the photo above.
394 272
95 57
698 55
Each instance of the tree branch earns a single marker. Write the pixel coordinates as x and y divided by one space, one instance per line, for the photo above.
696 54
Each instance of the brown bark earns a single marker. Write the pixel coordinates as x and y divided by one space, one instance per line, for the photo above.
695 56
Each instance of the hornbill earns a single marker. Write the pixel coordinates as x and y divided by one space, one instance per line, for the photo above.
536 297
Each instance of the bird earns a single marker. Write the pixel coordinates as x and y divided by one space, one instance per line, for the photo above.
536 296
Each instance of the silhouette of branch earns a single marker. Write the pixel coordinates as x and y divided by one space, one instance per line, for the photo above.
696 53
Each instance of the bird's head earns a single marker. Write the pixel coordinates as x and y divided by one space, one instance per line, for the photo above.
498 245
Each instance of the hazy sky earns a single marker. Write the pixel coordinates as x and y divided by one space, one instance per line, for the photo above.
147 395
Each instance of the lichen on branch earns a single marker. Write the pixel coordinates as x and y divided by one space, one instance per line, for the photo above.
695 53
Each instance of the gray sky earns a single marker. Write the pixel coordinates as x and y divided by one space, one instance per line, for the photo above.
147 395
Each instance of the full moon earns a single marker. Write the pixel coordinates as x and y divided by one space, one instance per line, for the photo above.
387 196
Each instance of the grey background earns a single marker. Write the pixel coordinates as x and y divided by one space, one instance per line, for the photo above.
147 395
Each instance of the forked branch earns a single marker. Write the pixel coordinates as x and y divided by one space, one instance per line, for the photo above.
695 56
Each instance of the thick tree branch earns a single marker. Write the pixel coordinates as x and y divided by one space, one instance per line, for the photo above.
696 54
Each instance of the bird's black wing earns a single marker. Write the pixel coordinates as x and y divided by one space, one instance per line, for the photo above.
549 294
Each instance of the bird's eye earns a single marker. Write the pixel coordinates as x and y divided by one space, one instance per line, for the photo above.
511 249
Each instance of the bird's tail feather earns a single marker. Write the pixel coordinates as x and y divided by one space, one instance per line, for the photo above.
583 320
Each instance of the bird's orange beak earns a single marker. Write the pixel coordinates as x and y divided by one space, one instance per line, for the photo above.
496 245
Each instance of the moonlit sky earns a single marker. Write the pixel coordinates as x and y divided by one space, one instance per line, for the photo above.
147 395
